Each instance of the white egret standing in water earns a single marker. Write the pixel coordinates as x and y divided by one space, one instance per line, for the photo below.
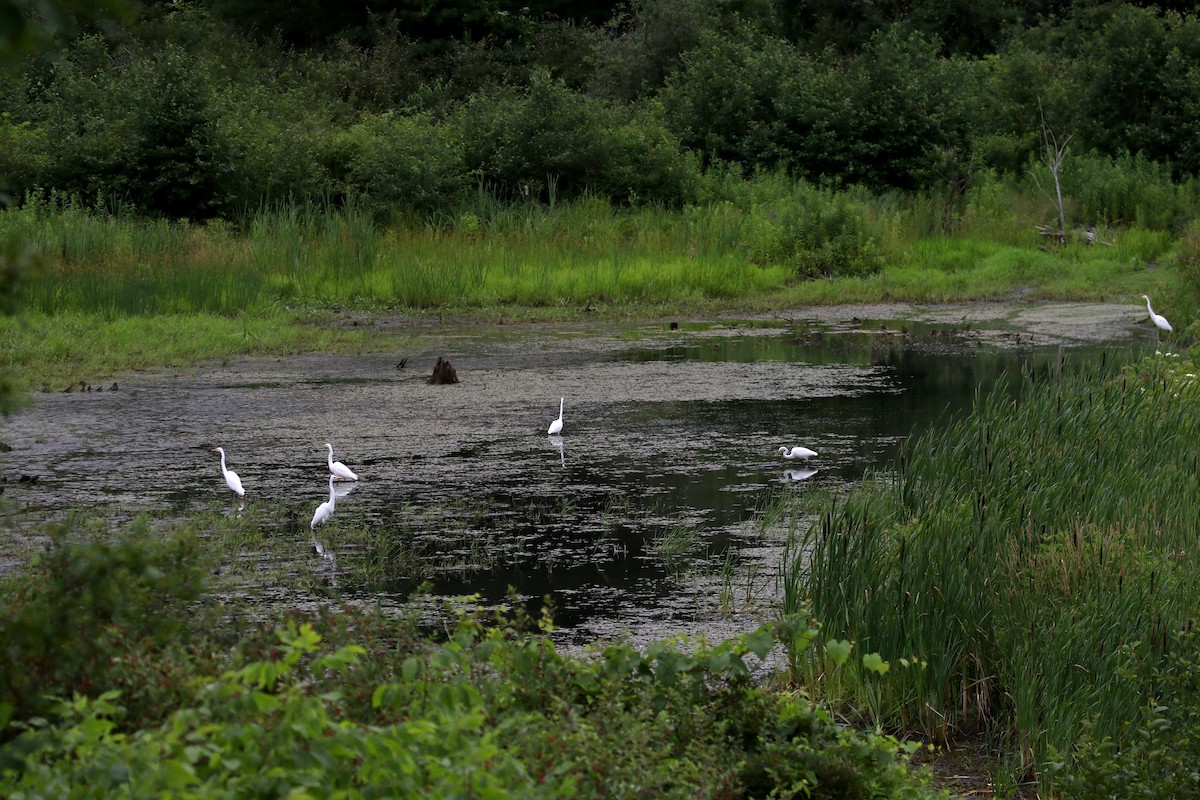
556 426
338 468
1159 320
797 452
231 478
325 510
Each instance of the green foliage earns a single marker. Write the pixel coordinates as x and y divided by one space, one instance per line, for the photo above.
141 133
492 709
549 142
1046 531
1156 752
822 234
1138 89
1126 189
407 164
61 620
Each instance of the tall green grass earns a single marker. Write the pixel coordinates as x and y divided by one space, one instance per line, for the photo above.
525 255
766 241
1039 556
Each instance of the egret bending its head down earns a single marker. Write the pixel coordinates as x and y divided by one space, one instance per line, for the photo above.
797 452
1159 320
325 510
339 469
231 478
556 426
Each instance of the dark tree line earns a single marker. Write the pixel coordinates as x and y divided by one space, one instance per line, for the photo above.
217 107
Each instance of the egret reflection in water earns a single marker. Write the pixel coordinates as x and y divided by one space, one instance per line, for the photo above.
557 442
326 552
798 474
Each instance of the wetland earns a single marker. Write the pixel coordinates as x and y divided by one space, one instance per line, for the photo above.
649 515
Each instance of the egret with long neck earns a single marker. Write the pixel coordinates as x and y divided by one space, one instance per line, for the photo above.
1159 320
231 478
556 426
325 510
339 469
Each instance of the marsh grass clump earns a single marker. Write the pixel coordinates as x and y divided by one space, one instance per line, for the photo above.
1038 554
673 543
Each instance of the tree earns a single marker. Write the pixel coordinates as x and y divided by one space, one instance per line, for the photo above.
22 32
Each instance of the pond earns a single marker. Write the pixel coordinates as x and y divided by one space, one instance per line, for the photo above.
643 518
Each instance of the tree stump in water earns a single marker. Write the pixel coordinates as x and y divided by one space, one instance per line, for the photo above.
443 372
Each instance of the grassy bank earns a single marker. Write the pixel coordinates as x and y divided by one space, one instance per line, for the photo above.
51 352
145 292
1034 564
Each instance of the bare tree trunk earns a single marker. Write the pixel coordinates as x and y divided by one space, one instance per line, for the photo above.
1053 154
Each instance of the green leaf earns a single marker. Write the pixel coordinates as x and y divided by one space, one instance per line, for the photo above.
875 663
760 642
838 650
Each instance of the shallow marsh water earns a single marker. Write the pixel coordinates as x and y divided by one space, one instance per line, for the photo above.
642 518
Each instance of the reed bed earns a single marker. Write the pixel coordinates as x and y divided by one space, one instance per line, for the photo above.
1034 560
764 242
97 262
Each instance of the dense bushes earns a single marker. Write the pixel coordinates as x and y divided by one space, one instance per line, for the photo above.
188 117
68 623
124 688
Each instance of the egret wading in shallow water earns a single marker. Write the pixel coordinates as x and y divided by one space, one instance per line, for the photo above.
231 478
556 426
797 452
1159 320
339 469
325 510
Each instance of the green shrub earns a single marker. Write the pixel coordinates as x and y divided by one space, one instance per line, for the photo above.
548 142
820 233
1127 190
63 620
406 164
1156 752
490 709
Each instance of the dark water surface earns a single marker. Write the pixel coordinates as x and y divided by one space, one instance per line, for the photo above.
642 517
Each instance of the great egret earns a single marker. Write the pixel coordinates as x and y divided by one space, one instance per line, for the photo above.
556 426
1159 320
338 468
231 478
797 452
325 510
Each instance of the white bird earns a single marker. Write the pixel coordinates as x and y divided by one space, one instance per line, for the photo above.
231 478
338 468
797 452
1159 320
325 510
556 426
